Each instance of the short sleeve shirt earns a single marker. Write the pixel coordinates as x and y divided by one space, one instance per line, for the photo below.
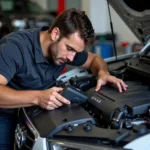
23 64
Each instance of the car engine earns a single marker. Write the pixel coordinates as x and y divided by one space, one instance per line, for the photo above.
100 119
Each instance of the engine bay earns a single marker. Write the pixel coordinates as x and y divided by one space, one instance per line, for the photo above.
106 117
100 120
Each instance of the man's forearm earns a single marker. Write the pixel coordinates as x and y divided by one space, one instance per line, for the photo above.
10 98
99 66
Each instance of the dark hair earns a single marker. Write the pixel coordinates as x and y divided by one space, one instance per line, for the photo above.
74 20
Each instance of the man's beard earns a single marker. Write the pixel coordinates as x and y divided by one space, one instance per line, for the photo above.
53 56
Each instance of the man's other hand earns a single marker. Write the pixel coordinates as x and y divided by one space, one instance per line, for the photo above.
107 78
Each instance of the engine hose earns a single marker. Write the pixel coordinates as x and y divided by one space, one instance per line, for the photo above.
116 119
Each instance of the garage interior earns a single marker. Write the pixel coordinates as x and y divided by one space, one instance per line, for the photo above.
104 119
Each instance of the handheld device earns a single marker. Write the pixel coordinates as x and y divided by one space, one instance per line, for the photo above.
74 95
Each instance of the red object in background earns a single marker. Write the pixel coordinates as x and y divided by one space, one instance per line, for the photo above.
124 44
61 6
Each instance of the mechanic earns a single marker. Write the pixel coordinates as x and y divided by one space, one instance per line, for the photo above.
31 60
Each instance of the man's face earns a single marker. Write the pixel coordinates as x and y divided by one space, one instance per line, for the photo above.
65 50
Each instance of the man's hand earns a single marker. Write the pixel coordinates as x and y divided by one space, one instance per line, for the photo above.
107 78
51 99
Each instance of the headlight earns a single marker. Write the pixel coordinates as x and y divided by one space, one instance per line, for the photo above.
66 145
62 146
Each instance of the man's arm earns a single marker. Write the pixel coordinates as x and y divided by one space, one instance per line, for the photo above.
96 64
47 99
99 67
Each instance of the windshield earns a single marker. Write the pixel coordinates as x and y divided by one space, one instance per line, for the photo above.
23 6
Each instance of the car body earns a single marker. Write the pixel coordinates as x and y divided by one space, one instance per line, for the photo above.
107 119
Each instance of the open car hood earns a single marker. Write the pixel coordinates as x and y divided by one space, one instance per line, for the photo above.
136 14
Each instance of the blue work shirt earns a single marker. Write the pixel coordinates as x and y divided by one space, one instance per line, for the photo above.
22 62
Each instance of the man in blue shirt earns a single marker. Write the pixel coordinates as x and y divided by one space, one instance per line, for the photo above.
31 60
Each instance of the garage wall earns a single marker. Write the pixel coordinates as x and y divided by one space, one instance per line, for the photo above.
98 13
52 4
42 3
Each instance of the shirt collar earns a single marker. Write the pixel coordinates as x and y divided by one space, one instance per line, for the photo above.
39 57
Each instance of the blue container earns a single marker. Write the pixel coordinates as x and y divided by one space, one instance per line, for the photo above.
105 50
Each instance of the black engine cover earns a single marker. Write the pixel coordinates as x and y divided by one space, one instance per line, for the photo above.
48 123
136 99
